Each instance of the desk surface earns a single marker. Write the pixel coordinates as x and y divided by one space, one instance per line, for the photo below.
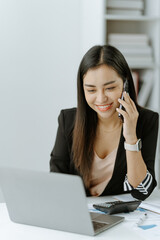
13 231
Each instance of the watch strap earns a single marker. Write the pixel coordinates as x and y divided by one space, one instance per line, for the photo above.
133 147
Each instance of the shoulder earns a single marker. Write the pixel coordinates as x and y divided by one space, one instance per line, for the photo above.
67 119
147 114
148 120
68 114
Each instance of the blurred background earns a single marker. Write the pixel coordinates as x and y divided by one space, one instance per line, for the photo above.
41 45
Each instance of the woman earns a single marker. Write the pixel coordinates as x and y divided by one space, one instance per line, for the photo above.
112 156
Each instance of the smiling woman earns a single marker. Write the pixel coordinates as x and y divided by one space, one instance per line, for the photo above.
102 88
93 142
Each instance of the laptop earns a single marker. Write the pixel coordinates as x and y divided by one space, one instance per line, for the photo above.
51 200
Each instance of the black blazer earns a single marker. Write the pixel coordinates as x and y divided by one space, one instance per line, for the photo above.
147 129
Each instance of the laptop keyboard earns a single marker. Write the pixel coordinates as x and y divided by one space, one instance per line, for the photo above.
98 225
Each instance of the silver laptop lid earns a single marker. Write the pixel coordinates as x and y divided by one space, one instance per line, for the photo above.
43 199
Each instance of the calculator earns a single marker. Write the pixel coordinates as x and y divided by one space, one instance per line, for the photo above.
117 206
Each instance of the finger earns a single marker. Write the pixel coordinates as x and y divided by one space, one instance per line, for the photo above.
129 100
128 107
132 109
122 112
129 114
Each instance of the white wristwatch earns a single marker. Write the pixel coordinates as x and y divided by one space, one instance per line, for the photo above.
135 147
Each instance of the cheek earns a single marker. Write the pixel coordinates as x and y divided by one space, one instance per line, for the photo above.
115 99
89 97
116 95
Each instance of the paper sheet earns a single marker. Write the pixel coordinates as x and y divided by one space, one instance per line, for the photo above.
150 227
152 203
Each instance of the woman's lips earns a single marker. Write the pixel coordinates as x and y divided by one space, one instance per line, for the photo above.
104 108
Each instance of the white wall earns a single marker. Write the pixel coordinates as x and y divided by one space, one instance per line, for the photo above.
39 57
41 45
92 24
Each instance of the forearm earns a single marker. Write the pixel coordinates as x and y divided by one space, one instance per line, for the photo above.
136 168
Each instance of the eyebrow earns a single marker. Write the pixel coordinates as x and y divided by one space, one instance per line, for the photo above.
107 83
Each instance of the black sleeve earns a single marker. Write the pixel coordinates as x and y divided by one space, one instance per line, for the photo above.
60 158
149 143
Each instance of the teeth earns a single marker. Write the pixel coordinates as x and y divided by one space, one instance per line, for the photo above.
103 106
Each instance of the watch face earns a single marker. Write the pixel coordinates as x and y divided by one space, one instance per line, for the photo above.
139 144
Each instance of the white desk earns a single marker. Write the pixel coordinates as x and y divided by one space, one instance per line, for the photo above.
13 231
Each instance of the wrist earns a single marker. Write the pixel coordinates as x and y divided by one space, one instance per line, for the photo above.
131 140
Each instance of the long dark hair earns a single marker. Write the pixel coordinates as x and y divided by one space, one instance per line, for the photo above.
86 119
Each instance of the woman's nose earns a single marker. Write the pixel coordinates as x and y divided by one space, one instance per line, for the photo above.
101 97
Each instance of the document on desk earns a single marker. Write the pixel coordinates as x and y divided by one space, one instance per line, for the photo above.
152 203
149 231
148 228
132 216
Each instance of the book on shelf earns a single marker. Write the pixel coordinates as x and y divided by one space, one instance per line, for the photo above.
128 44
146 88
125 4
131 37
139 60
126 12
132 50
135 47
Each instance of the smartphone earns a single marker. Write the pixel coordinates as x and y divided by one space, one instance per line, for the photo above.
125 89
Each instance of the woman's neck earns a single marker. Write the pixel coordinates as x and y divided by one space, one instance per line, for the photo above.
110 124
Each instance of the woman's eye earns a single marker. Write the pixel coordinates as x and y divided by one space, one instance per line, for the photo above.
111 88
91 91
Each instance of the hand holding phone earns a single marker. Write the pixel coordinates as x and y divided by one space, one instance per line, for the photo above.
125 89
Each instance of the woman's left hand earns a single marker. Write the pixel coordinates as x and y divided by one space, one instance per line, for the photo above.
130 115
